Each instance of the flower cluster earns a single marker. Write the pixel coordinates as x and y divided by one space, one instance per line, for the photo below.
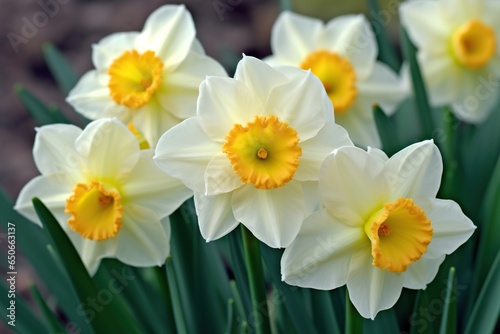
269 148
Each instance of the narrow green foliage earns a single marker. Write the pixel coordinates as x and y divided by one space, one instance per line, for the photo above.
449 318
60 68
50 319
353 320
42 114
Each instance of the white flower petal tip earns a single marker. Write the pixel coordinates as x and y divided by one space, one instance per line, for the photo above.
455 75
222 153
341 53
147 79
107 194
375 234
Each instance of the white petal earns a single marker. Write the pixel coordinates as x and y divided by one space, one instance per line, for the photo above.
92 252
477 102
315 150
302 103
352 37
105 52
352 185
152 120
277 61
371 289
148 186
90 97
422 272
320 255
220 177
360 127
451 227
294 36
54 150
215 215
424 24
185 151
197 47
52 190
258 76
415 172
180 88
312 201
378 153
110 150
382 87
224 102
443 78
274 216
170 32
142 240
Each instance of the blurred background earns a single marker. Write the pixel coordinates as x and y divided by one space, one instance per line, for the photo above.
226 28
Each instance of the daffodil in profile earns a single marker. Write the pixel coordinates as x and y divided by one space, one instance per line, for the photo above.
380 228
149 78
458 45
342 54
107 194
252 153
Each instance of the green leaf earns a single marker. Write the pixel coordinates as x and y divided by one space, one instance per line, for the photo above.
33 242
201 277
26 321
232 327
424 109
385 127
489 232
180 322
60 68
41 113
290 295
386 51
50 319
486 310
419 322
253 262
385 322
323 314
353 320
449 318
82 283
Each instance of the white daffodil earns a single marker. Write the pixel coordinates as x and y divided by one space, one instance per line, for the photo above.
149 78
342 54
458 45
107 194
380 229
252 153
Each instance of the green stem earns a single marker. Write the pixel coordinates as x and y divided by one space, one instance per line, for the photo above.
253 262
176 299
450 153
353 321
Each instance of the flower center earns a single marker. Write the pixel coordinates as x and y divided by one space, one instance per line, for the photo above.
473 44
96 212
337 75
134 77
143 143
399 233
264 152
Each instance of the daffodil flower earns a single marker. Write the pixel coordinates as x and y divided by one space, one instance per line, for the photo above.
149 78
253 151
107 194
380 229
342 54
458 45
